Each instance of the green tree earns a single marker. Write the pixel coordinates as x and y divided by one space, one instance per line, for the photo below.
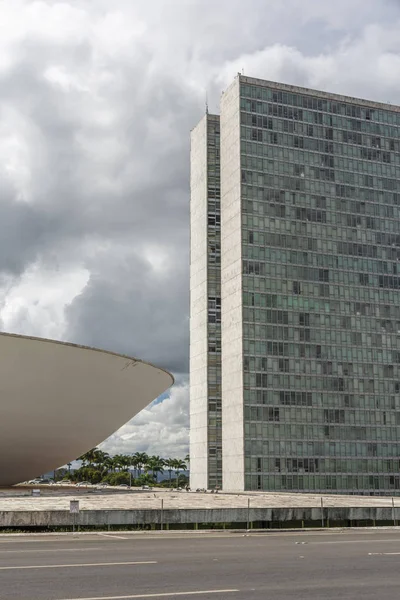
155 464
119 478
100 457
133 462
59 474
89 457
141 459
88 473
170 464
122 462
108 465
145 479
180 465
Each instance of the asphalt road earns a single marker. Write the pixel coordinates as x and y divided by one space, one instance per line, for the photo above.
274 566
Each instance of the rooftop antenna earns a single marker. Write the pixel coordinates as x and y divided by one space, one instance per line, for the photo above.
206 103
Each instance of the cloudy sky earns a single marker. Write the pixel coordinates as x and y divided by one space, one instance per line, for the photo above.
97 99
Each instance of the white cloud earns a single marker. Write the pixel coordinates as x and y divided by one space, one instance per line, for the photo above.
367 66
36 304
160 429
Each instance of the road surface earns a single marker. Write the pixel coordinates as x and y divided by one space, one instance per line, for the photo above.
363 564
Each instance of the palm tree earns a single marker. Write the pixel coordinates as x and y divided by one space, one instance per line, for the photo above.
133 462
148 466
180 465
122 461
170 464
100 457
141 460
155 464
89 457
108 465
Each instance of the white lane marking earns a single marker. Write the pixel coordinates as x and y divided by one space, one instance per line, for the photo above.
49 540
19 538
49 550
113 564
371 541
383 553
112 536
87 537
160 595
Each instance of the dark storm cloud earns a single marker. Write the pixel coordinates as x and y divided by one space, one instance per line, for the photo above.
113 206
131 309
96 104
20 229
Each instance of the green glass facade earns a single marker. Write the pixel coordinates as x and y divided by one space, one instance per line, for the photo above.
320 208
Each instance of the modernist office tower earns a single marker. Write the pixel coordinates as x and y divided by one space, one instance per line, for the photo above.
310 290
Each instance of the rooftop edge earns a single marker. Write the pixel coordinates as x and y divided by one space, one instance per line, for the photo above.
312 92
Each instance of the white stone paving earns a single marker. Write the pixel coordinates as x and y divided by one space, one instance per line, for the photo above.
21 499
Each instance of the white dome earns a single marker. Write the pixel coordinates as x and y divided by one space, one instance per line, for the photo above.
59 400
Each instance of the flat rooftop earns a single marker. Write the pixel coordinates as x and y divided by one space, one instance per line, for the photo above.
295 89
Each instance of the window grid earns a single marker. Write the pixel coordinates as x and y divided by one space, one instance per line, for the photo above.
321 281
214 441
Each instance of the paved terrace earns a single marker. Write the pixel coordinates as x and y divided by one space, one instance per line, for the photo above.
57 499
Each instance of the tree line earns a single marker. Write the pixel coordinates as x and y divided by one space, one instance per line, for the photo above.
136 469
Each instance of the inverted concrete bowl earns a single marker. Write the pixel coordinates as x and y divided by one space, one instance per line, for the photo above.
59 400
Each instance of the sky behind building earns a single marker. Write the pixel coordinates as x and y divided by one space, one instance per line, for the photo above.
96 105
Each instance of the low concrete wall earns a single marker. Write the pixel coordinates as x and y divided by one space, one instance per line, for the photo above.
266 516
